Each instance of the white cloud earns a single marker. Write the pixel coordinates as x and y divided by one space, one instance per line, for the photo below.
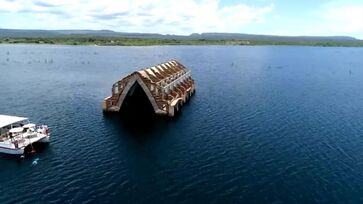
162 16
335 18
348 19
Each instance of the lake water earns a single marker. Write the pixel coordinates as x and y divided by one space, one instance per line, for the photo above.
268 124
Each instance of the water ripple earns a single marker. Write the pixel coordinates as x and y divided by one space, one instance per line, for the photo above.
282 125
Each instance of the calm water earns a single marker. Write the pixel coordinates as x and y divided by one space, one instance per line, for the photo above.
267 125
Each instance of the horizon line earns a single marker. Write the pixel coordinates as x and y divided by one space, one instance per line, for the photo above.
166 34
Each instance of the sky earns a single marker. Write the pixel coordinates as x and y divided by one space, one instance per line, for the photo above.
273 17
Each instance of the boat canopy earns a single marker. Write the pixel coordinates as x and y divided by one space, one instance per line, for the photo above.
6 120
30 125
16 130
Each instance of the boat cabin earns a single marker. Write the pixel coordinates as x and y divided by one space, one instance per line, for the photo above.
11 126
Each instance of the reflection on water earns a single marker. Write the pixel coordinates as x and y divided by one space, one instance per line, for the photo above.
135 126
36 148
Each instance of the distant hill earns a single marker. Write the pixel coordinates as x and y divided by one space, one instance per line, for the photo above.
109 37
15 33
18 33
238 36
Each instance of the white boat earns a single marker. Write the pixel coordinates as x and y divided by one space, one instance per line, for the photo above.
17 133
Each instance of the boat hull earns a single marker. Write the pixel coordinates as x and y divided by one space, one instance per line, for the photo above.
45 139
13 151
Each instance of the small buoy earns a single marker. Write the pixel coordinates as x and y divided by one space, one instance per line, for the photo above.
22 156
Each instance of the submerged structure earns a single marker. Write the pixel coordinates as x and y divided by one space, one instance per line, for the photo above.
166 87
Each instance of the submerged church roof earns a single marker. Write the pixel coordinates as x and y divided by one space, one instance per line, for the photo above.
168 86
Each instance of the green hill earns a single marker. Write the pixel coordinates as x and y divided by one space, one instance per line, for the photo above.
108 37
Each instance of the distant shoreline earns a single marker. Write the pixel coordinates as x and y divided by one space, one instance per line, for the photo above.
103 41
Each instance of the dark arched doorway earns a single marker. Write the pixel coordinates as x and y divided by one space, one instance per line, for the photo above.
136 104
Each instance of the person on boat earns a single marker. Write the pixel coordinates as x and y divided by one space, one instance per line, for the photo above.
16 144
